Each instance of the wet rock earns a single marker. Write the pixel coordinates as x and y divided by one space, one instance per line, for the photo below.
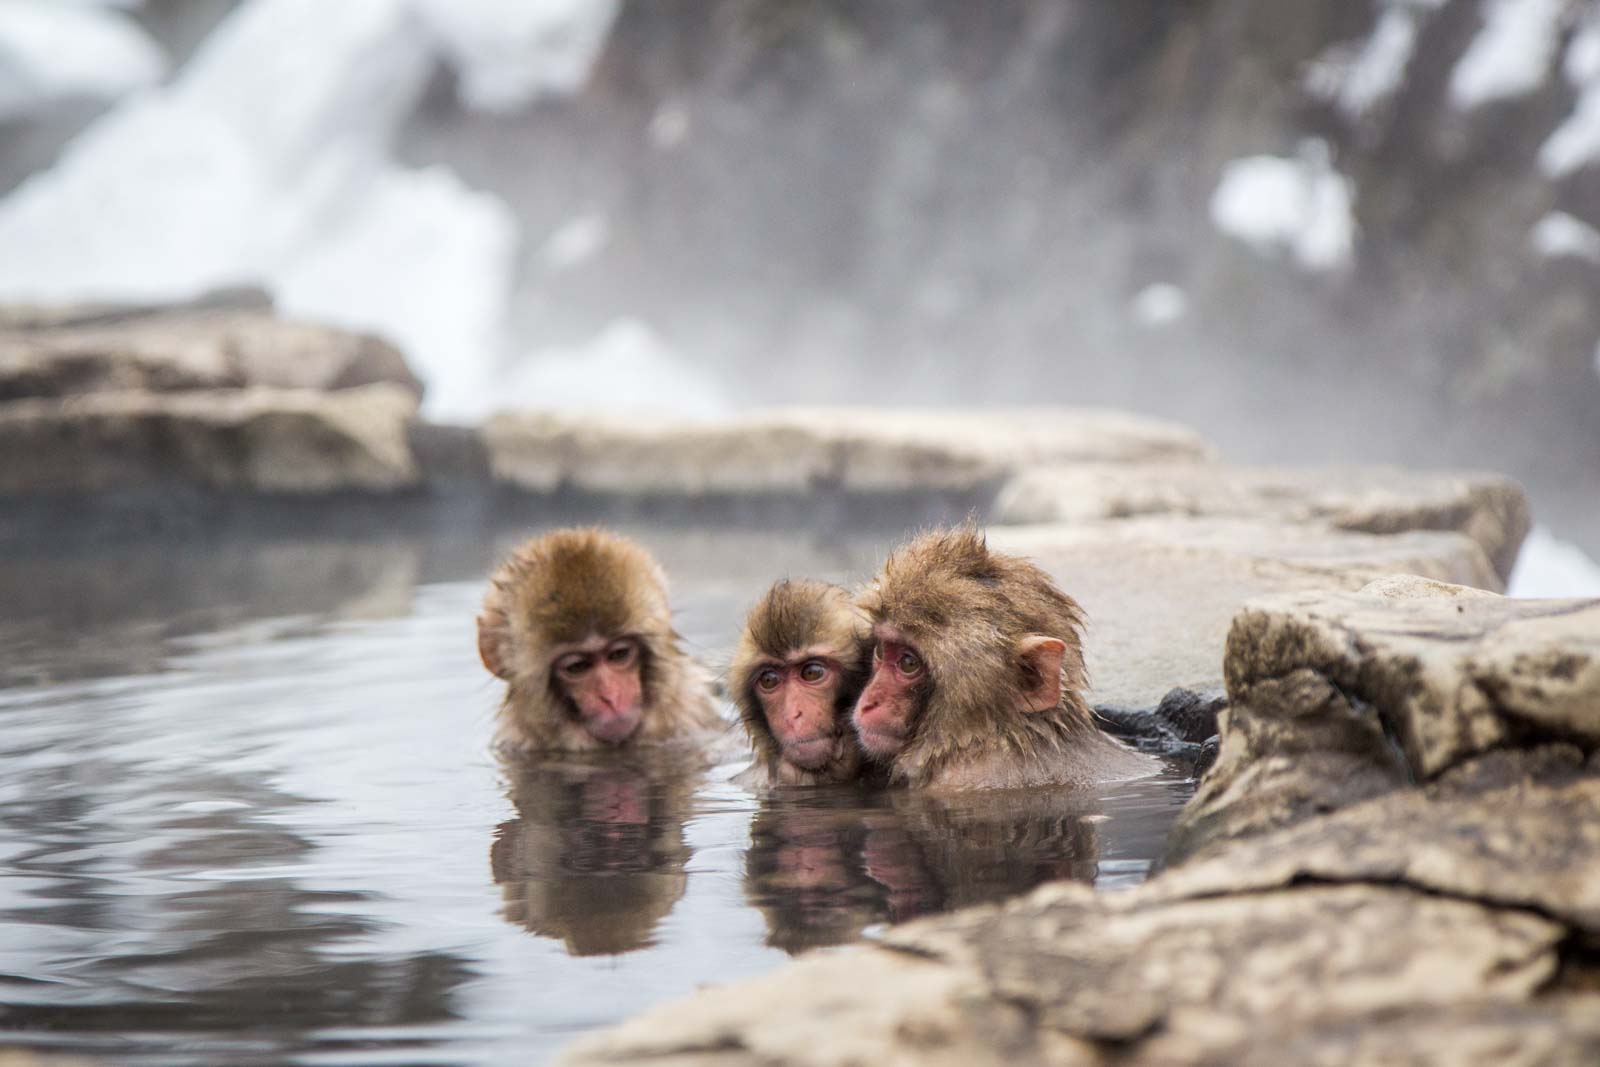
801 450
1183 716
1067 976
1161 594
1490 509
261 440
203 346
1532 846
1339 697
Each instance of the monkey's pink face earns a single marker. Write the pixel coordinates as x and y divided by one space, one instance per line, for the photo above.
798 699
604 680
888 707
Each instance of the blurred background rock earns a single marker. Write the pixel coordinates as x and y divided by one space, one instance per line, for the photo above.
1331 231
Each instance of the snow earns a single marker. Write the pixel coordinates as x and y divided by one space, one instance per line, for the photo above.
626 367
424 259
1355 84
1512 53
1559 234
268 161
1301 206
669 126
576 242
512 53
1160 304
1576 142
1549 567
51 51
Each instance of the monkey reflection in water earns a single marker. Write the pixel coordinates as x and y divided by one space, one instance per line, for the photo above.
595 857
824 865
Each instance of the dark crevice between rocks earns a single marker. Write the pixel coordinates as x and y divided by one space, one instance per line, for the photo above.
912 951
1578 967
1308 880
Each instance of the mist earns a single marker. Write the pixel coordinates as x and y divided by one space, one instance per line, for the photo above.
1346 232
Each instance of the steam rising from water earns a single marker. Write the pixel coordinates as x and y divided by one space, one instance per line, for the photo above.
268 161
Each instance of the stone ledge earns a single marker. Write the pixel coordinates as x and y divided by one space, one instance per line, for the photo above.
268 440
1490 509
1338 697
797 450
1067 976
1161 593
185 348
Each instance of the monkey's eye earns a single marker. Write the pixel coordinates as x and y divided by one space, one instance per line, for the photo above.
768 680
908 663
621 654
574 666
813 671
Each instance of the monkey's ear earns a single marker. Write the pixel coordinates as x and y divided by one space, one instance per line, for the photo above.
1041 659
489 648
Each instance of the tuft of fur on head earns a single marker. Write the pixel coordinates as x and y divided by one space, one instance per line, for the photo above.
791 618
965 608
567 586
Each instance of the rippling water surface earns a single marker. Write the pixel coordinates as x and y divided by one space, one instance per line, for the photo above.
248 814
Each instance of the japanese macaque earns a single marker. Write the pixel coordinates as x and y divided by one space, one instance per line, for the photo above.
977 674
799 667
577 624
596 856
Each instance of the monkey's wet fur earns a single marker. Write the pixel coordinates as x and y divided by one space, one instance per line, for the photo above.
956 668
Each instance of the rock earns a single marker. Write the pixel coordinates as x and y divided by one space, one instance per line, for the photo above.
87 313
1531 846
1490 509
187 347
802 450
262 440
1338 697
1561 1031
1414 587
1183 717
1161 593
1066 976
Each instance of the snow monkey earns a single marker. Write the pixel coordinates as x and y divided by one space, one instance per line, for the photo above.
800 664
577 623
977 673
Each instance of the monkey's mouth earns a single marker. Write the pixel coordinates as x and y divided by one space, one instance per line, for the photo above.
881 742
810 753
613 729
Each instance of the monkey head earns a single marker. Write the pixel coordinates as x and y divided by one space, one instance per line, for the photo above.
800 663
577 623
972 652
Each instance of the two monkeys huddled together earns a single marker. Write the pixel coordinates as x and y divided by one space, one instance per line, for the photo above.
955 668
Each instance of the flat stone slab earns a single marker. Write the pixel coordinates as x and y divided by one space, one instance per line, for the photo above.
187 347
262 440
1489 508
1161 594
798 450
